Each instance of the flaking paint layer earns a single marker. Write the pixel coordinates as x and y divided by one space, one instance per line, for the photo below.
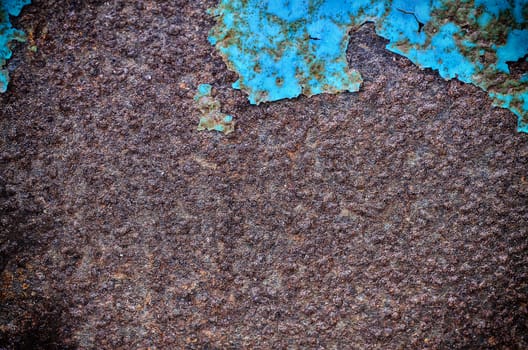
285 48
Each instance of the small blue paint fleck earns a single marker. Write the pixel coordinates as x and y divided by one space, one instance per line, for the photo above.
212 118
203 90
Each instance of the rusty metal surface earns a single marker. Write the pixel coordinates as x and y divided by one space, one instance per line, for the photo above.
391 218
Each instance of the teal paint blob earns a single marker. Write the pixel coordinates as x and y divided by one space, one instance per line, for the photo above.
203 90
285 48
7 34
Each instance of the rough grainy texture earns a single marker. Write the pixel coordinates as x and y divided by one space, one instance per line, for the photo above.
391 218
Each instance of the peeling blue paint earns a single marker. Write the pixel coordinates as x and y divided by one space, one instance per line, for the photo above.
7 34
285 48
278 53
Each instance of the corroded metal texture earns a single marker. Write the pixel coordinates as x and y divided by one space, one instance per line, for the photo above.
282 49
390 218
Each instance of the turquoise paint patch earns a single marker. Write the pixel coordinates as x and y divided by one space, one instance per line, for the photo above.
515 48
282 49
484 19
285 48
441 53
291 10
7 34
14 7
517 103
